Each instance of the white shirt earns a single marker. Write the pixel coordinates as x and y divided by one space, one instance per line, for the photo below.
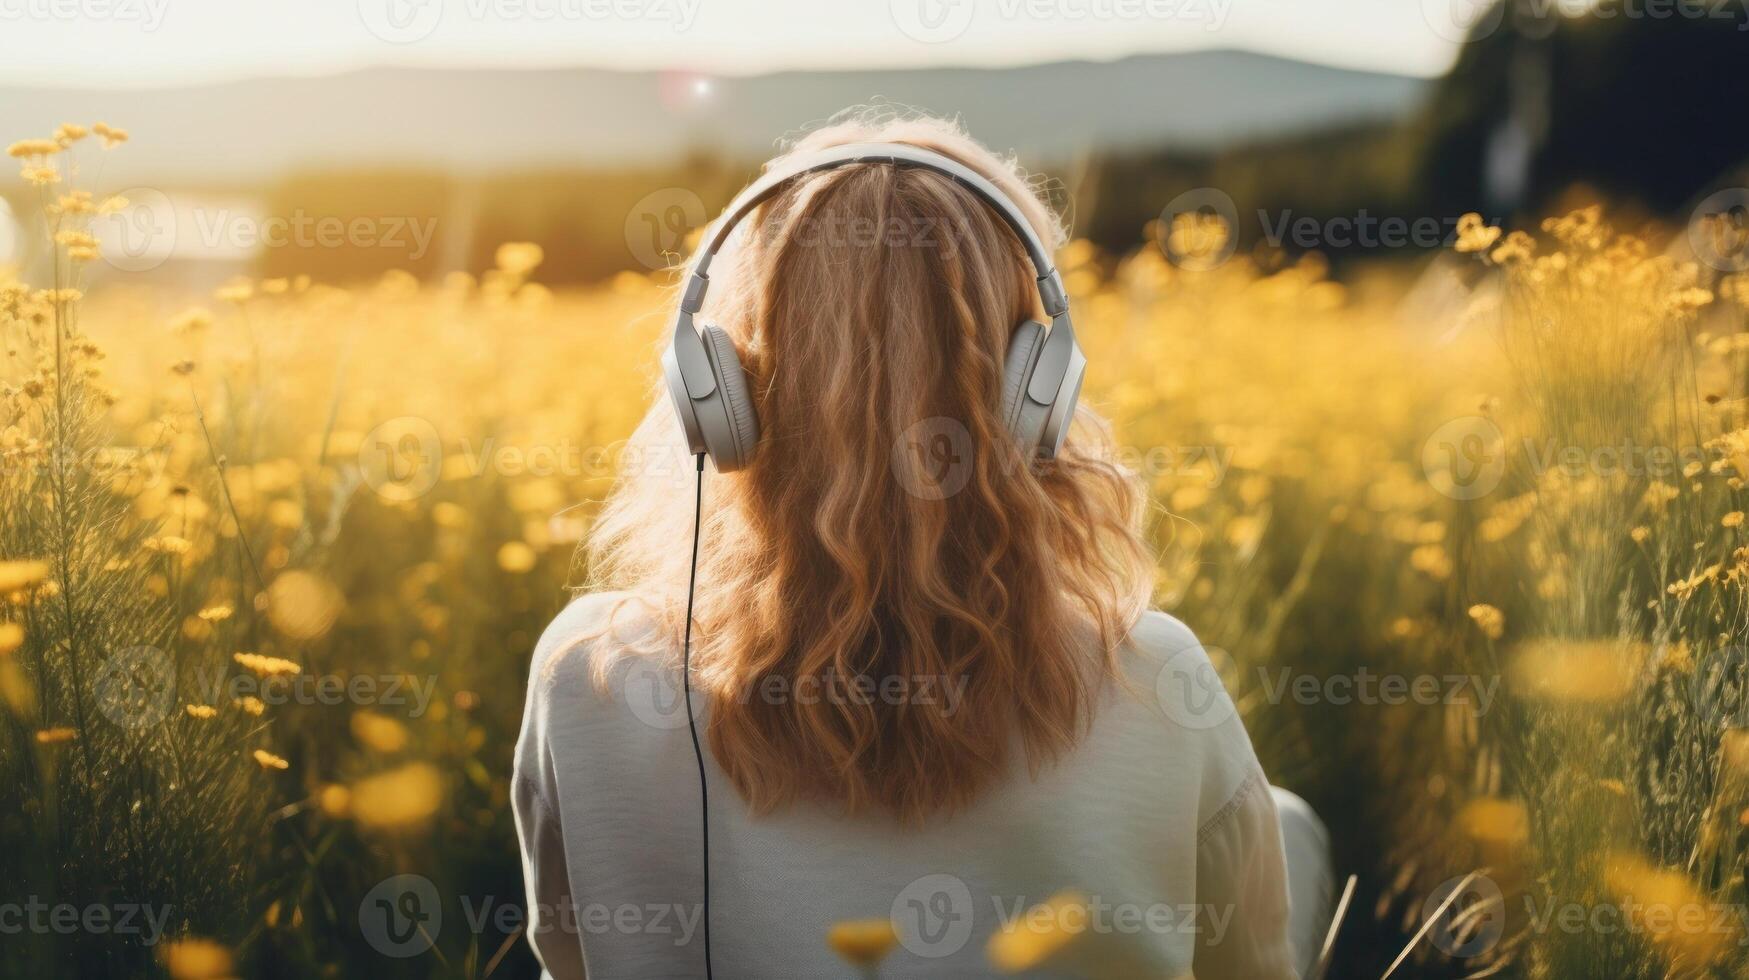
1160 818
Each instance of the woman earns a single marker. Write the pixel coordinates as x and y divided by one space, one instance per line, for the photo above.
927 683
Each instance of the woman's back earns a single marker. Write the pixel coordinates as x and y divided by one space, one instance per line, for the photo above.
903 616
1159 819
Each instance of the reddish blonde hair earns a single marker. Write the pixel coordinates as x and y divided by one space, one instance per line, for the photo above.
872 304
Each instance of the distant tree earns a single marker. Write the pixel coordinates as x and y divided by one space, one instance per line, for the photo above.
1642 107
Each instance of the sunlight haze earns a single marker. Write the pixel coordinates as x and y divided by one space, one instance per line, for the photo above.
116 43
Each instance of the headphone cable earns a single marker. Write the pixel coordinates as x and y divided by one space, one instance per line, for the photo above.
691 724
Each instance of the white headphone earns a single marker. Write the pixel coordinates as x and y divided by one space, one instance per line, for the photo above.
1041 375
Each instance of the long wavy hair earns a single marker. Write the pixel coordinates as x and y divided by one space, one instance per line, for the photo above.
892 598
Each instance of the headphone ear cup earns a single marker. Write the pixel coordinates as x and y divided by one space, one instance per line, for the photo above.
730 426
1024 417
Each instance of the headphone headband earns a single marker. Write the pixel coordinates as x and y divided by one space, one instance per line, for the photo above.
1048 372
896 154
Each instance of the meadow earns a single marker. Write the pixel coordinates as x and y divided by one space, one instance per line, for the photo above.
1466 539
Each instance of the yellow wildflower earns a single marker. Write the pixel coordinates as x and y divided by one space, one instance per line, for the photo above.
1432 561
15 575
1665 904
1491 620
519 258
267 760
516 557
399 798
1474 235
1035 937
1576 672
264 665
335 800
78 202
111 136
303 605
168 544
862 942
379 732
197 959
26 149
192 320
236 291
1516 248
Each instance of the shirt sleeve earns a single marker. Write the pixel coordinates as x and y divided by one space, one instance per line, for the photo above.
553 931
1242 891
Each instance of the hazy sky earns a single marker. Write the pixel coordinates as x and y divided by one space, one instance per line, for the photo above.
103 43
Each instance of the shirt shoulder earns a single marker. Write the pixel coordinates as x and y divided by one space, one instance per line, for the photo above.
605 672
591 630
1172 679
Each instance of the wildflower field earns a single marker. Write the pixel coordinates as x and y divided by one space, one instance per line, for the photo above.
1468 545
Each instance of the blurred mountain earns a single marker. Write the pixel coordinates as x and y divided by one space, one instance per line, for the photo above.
472 122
